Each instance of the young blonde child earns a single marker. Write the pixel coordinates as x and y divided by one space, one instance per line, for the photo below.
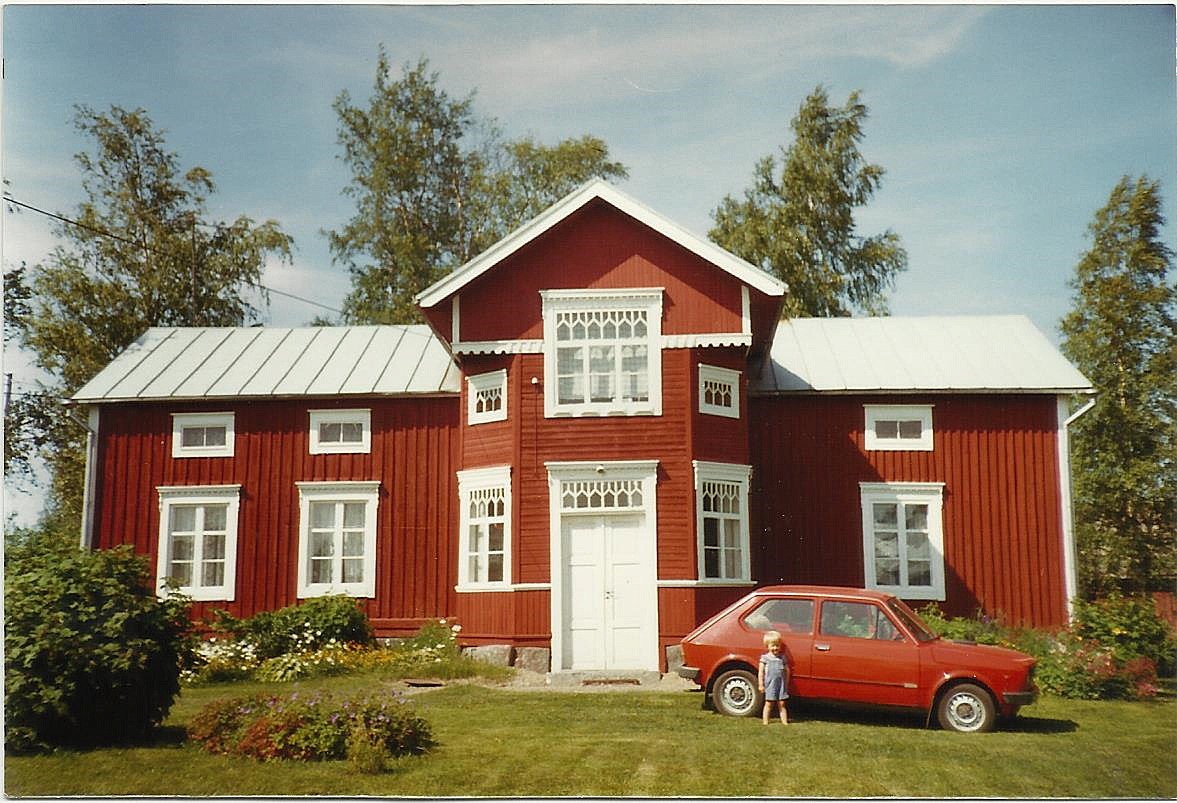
773 676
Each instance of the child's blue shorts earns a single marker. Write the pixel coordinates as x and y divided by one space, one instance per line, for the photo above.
774 689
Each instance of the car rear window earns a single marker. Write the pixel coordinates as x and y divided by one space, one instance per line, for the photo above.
784 615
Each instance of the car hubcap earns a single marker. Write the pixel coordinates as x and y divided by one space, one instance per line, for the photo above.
738 695
966 712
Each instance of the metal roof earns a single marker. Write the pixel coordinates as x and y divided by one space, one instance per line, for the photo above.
744 271
210 363
988 353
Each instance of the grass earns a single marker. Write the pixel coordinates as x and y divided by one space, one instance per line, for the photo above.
497 741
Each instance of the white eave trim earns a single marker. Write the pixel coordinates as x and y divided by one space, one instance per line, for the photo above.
742 270
703 340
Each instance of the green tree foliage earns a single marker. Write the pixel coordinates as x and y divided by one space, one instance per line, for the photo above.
138 256
91 655
797 219
434 185
1121 333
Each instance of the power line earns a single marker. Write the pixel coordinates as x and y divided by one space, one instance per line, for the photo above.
149 249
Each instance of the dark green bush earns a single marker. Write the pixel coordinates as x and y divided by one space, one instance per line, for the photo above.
91 655
300 628
310 727
1129 626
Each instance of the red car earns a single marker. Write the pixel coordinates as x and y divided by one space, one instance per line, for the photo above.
858 646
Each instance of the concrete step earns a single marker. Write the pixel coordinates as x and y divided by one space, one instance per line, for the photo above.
604 678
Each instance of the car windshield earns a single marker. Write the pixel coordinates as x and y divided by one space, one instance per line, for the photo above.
911 620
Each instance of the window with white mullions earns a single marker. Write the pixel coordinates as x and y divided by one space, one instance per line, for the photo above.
198 540
486 531
337 542
202 434
337 538
723 546
340 431
903 539
890 427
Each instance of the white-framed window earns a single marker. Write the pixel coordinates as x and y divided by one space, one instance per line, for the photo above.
484 561
337 538
603 352
903 538
202 434
198 539
892 427
486 397
719 391
721 521
341 431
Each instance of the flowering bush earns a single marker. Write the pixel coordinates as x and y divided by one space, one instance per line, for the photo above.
300 628
309 727
1071 663
1129 626
220 660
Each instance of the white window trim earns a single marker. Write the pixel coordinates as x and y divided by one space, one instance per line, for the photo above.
347 491
723 472
361 415
924 493
891 412
170 495
648 298
727 376
182 420
473 480
495 380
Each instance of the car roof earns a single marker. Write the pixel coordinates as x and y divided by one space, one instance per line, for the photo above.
824 591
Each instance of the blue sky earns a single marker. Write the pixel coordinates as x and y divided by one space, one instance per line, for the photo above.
1002 128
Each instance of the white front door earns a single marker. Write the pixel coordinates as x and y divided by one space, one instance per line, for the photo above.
609 594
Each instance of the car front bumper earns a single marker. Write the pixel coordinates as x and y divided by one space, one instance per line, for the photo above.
1020 698
688 672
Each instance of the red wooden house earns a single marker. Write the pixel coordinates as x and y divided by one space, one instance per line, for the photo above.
603 436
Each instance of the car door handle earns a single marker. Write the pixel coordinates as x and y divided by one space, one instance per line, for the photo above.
822 647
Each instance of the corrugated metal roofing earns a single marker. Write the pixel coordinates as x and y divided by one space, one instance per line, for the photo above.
199 363
910 354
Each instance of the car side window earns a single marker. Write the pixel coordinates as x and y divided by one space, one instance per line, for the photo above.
783 615
857 620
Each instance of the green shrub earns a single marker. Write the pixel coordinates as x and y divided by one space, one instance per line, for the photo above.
91 655
309 727
366 755
300 628
1129 626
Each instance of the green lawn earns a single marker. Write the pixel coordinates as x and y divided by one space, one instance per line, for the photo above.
495 741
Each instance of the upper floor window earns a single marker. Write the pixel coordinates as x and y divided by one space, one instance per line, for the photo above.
202 434
337 538
719 391
486 397
198 539
721 505
485 527
903 538
898 428
602 352
341 431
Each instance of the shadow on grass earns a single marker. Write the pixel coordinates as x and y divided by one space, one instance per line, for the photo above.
843 713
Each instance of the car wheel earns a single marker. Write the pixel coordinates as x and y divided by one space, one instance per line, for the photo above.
966 708
735 693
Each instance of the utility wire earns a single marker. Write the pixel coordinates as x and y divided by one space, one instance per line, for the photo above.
104 233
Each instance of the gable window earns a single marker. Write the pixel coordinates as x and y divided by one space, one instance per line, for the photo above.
486 397
337 538
202 434
721 515
485 528
602 352
903 538
898 428
198 540
341 431
719 391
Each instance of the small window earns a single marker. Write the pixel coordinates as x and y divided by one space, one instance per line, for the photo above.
198 540
721 505
782 615
341 431
202 434
485 529
719 391
903 538
486 398
895 428
337 538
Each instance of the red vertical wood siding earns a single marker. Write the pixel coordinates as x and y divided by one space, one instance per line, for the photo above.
997 456
597 247
414 456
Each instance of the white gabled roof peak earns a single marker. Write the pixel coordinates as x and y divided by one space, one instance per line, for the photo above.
744 271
